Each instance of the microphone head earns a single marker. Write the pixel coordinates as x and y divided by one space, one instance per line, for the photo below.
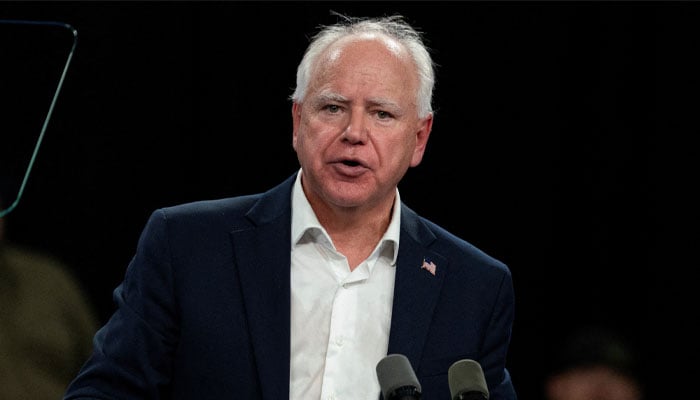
466 376
395 372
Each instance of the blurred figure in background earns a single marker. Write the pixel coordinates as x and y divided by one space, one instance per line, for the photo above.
594 363
46 323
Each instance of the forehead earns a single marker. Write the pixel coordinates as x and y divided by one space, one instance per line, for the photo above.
365 41
368 57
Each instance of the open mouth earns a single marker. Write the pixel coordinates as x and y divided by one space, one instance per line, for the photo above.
351 163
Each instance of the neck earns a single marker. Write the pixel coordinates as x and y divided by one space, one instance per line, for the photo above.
355 231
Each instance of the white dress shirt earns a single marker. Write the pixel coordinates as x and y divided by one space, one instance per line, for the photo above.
339 319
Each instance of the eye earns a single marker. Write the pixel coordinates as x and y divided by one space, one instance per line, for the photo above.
332 108
384 115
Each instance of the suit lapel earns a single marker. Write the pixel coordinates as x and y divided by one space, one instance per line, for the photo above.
416 290
262 257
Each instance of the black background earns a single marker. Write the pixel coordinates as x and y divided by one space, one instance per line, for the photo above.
563 143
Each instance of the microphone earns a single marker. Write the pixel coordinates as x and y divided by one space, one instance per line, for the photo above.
467 381
397 379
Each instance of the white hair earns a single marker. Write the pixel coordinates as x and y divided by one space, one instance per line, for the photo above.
393 27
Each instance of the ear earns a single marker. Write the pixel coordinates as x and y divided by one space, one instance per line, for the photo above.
296 120
423 129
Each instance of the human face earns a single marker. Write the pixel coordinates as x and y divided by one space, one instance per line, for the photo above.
357 131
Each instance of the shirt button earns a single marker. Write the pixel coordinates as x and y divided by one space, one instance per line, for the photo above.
339 340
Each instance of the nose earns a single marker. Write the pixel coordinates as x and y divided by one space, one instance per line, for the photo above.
357 128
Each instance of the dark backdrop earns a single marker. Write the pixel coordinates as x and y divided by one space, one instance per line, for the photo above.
560 145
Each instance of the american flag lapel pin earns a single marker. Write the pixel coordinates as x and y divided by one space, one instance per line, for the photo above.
429 266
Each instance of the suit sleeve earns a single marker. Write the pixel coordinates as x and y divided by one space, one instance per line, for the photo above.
133 352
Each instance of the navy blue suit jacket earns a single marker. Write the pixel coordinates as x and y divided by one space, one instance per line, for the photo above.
204 308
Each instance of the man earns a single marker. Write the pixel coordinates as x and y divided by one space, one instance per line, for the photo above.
215 305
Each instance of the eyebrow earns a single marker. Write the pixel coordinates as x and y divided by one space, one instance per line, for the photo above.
331 96
338 98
